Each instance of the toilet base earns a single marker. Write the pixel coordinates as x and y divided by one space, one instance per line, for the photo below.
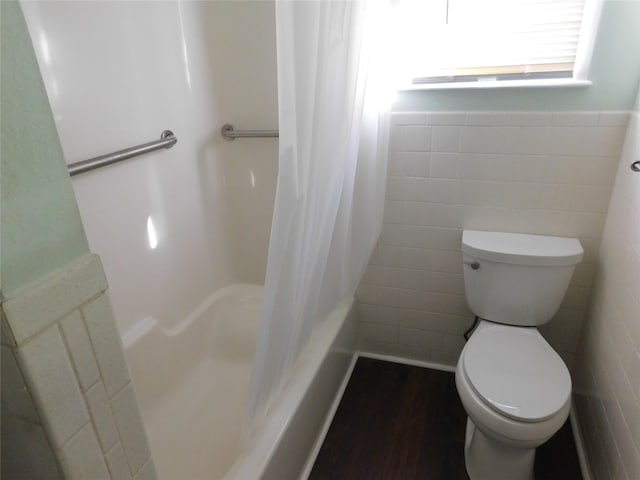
489 459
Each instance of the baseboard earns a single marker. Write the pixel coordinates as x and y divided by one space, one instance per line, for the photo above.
580 447
407 361
327 423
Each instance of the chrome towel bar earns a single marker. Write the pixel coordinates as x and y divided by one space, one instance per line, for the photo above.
229 133
167 140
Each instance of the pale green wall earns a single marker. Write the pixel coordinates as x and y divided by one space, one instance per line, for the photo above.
615 73
40 224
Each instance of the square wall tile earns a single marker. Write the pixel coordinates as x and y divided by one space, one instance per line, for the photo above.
31 310
117 463
52 382
132 433
16 399
603 141
445 138
103 421
26 453
147 472
575 118
566 140
81 457
446 118
80 349
408 118
107 344
476 140
416 139
6 337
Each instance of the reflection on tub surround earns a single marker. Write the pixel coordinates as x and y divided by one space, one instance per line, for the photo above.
151 233
549 173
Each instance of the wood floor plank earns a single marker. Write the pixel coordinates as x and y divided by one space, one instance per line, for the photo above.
401 422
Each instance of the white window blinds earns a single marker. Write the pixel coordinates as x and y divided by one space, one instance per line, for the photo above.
467 40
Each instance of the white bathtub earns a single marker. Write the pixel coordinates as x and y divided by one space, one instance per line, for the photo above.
192 383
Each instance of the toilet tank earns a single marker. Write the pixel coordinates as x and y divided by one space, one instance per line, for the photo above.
517 279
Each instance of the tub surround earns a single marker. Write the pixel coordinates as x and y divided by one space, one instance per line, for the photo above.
206 196
547 173
67 350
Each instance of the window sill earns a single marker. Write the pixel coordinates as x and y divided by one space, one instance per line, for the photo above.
500 84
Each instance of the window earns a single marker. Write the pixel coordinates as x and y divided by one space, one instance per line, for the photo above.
462 41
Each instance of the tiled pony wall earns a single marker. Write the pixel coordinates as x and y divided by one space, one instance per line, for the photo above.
548 173
65 383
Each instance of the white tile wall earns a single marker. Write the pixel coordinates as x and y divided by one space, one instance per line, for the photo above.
608 368
117 463
53 385
26 452
70 355
81 457
36 307
548 173
132 433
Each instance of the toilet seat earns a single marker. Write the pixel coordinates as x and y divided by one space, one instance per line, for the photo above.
516 372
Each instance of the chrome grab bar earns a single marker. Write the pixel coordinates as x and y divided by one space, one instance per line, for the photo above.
229 133
167 140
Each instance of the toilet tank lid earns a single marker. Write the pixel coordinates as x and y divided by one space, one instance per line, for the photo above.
522 249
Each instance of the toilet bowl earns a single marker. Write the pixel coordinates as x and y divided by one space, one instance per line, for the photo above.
516 391
515 388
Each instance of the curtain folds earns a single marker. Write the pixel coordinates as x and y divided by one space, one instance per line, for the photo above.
331 180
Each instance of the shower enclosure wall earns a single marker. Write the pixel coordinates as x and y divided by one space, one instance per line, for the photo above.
183 233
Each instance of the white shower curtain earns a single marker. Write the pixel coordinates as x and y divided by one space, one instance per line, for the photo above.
331 180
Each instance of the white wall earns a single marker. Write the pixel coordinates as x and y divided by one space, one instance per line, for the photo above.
530 172
119 73
608 368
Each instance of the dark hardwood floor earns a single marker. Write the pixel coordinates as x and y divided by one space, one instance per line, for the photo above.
403 422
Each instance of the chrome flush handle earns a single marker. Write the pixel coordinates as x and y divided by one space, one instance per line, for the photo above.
473 265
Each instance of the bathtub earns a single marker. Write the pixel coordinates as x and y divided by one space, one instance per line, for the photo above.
192 383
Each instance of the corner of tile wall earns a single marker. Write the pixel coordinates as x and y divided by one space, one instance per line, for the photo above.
67 349
548 173
607 393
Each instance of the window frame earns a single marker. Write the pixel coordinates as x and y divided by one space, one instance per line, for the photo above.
579 78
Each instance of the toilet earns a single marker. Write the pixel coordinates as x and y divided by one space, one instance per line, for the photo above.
515 388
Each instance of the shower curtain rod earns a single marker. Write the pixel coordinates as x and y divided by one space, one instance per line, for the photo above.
167 140
229 133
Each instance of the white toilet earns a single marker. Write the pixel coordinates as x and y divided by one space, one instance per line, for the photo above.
515 388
